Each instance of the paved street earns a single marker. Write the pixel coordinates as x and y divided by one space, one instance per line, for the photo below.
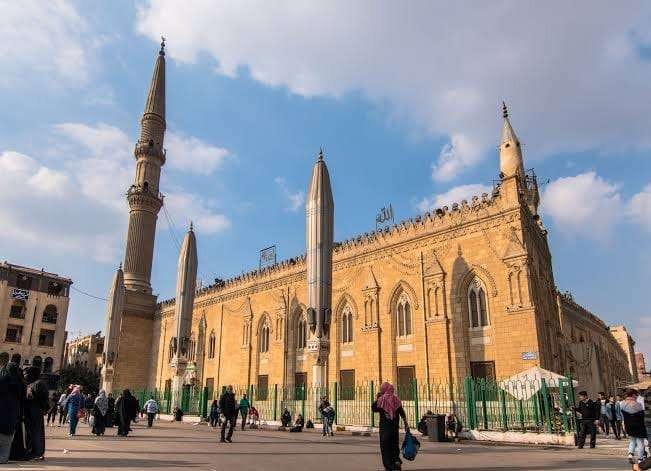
174 445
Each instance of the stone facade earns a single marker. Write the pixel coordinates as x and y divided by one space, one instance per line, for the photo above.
85 351
459 291
33 313
627 343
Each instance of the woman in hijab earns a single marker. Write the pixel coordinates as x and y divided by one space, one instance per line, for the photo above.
388 405
100 408
74 405
126 409
36 405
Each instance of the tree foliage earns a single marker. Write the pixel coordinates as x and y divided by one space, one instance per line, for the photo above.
76 374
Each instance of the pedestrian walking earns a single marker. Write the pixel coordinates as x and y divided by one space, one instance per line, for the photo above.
244 408
215 414
388 405
36 405
588 411
604 422
633 413
63 400
110 412
327 416
151 407
619 416
89 402
53 407
100 410
12 394
74 409
126 409
612 407
647 417
18 446
229 409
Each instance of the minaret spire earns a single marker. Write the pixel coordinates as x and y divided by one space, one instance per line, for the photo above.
114 310
510 152
144 197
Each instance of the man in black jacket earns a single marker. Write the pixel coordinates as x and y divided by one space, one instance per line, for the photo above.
589 412
229 409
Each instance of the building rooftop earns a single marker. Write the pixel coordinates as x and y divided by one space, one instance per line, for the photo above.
33 271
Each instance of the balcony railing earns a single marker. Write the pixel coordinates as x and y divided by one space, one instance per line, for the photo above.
143 190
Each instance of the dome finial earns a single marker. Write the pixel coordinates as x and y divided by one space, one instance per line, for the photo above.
191 226
320 152
120 267
162 46
505 111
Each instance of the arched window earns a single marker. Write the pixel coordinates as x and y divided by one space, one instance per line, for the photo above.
172 348
211 345
347 325
47 365
301 333
264 338
477 306
17 309
37 361
403 313
50 314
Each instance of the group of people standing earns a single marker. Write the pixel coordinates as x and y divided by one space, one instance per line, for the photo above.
24 401
627 417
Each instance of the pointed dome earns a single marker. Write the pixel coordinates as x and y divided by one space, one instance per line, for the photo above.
510 152
320 189
114 310
156 97
186 281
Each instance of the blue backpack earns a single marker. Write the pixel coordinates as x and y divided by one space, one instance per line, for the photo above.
410 446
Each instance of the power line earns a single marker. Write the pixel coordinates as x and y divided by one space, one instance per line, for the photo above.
170 227
88 294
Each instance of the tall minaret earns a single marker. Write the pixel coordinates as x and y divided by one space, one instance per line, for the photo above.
512 164
112 333
319 240
144 198
186 283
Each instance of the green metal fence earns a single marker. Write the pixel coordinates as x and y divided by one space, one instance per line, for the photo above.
481 404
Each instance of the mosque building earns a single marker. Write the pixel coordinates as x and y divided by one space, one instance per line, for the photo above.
465 290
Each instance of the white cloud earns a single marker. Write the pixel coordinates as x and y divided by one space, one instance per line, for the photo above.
584 205
44 39
194 208
193 155
295 200
443 65
640 209
77 204
454 195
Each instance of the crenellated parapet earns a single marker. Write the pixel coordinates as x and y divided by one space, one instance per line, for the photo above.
445 223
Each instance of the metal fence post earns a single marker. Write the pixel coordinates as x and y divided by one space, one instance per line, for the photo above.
470 403
204 402
505 423
545 396
521 414
336 401
303 400
275 402
414 385
372 400
484 409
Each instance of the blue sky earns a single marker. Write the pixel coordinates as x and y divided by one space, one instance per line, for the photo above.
404 98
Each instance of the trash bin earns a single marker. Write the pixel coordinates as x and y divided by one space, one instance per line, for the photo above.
435 427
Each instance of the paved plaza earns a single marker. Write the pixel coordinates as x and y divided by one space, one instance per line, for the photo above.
176 446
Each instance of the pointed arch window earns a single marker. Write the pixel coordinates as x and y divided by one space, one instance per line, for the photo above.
347 325
211 345
264 338
192 347
403 312
477 305
301 333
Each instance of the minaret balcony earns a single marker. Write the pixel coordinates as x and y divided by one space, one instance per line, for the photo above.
143 197
149 149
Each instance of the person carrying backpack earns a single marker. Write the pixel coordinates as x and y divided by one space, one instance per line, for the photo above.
388 405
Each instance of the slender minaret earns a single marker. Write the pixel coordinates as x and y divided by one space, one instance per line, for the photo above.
112 333
186 282
319 240
512 164
144 198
